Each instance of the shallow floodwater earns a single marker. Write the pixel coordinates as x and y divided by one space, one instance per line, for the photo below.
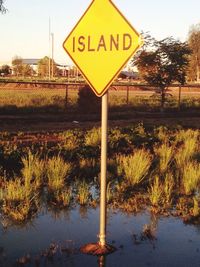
175 244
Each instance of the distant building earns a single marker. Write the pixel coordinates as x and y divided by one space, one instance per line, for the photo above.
131 75
32 62
64 69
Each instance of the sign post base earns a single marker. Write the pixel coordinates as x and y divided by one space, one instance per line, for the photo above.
96 249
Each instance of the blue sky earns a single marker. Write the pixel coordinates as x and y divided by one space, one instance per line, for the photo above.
24 29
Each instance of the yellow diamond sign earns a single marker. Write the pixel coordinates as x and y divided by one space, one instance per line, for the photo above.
101 43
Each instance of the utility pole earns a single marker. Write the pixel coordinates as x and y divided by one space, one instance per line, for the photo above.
52 55
49 49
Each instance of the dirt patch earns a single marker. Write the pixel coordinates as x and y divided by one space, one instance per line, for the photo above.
40 123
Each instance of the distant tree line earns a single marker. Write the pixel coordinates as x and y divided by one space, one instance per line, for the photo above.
46 64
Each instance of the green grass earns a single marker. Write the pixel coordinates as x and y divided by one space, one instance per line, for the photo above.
42 98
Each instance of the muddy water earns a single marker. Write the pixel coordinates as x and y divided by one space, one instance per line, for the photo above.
171 243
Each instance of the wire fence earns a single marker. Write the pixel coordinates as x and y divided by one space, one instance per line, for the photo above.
40 93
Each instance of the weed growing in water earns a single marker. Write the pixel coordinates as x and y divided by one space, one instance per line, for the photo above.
156 192
83 192
165 155
168 187
188 149
191 177
134 167
63 197
57 171
18 200
196 208
15 191
33 170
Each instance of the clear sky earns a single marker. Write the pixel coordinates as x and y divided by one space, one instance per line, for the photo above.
24 30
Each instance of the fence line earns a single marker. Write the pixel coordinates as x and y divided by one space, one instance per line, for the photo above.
67 86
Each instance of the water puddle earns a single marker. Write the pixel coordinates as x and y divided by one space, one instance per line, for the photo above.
53 238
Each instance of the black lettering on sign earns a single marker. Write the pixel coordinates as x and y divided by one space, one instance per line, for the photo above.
114 42
81 43
90 49
74 44
127 41
102 43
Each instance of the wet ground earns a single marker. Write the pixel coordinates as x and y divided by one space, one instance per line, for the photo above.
54 238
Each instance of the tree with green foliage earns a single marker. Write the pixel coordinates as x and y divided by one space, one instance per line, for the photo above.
161 63
27 70
5 70
2 7
43 67
21 69
17 66
194 62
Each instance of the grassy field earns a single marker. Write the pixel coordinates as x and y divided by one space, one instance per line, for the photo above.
25 99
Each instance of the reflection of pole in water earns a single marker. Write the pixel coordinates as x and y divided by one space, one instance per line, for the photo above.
102 261
154 222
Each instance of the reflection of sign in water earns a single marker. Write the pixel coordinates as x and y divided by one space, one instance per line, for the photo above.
101 43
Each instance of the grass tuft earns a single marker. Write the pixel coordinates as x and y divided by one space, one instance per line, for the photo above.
134 167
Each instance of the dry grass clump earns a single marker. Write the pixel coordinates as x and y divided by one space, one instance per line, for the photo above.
134 167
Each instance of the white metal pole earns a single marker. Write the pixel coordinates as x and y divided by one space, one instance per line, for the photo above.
52 55
49 48
104 138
